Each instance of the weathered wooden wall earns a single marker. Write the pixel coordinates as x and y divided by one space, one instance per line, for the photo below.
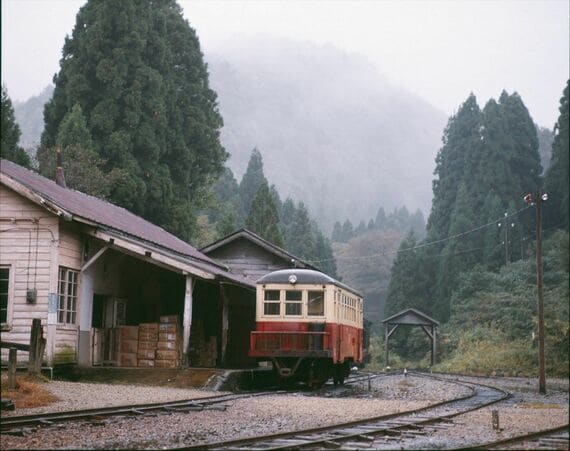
28 246
248 259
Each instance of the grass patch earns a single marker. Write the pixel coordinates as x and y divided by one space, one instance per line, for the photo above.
29 392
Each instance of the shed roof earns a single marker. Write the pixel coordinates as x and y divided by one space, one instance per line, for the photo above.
411 316
77 206
259 241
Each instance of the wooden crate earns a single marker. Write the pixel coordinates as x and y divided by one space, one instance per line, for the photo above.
168 345
128 332
147 345
128 346
146 354
128 359
170 319
162 354
169 328
146 363
165 336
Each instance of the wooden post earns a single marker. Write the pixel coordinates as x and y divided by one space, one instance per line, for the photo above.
37 346
386 338
187 320
225 323
12 362
433 345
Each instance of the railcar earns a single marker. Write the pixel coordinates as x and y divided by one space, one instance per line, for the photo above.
308 325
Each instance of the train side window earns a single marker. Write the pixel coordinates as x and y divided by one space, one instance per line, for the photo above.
271 303
316 303
293 303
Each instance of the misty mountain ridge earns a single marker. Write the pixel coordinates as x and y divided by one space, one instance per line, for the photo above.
333 132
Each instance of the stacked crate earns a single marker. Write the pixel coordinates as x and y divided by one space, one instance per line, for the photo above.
169 340
127 345
148 342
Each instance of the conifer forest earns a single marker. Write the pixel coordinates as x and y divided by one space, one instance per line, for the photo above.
137 109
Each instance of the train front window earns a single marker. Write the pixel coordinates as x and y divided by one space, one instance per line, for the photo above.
316 303
293 304
271 303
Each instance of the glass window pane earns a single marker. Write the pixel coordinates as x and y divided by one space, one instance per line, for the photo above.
293 308
271 295
271 308
293 295
316 303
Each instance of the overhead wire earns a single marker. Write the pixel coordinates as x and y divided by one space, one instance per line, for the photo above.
423 245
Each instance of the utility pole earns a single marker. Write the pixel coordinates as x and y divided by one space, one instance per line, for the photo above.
537 202
506 225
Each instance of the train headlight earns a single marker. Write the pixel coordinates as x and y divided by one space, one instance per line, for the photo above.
292 279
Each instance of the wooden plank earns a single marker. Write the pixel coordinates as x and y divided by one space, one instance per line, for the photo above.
17 346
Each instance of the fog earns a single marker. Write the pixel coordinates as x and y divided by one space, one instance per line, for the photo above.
346 101
439 50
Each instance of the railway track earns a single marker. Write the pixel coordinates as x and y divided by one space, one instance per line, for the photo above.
373 432
556 438
19 425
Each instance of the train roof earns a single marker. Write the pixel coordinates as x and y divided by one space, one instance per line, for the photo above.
303 276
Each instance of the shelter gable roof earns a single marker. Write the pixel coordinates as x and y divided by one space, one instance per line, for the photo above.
257 240
411 316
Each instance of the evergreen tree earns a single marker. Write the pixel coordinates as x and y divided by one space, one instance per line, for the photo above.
360 229
380 220
263 217
347 231
252 179
493 253
324 253
287 216
10 150
461 139
406 288
301 238
557 176
82 166
337 233
458 253
137 72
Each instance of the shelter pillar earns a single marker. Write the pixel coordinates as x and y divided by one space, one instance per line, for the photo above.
225 323
187 320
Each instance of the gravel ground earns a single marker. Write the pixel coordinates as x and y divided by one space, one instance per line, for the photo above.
279 413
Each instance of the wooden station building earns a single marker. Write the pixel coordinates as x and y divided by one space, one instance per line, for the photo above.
111 288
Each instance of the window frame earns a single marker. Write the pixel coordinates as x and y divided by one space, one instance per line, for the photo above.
9 295
271 302
67 303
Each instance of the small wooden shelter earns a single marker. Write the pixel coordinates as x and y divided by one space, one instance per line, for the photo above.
411 317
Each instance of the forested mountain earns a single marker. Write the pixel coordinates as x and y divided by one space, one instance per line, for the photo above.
333 131
30 118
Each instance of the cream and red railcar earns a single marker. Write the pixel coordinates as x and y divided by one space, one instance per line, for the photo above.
309 325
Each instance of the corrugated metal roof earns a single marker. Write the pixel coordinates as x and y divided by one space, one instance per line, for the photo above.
111 217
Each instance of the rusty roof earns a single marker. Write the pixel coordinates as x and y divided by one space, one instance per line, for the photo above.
107 216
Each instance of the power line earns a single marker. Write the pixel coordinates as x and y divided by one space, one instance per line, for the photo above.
422 245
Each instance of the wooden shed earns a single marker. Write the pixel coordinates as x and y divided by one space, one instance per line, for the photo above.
252 256
108 285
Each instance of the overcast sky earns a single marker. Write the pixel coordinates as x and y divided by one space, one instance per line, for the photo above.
440 50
